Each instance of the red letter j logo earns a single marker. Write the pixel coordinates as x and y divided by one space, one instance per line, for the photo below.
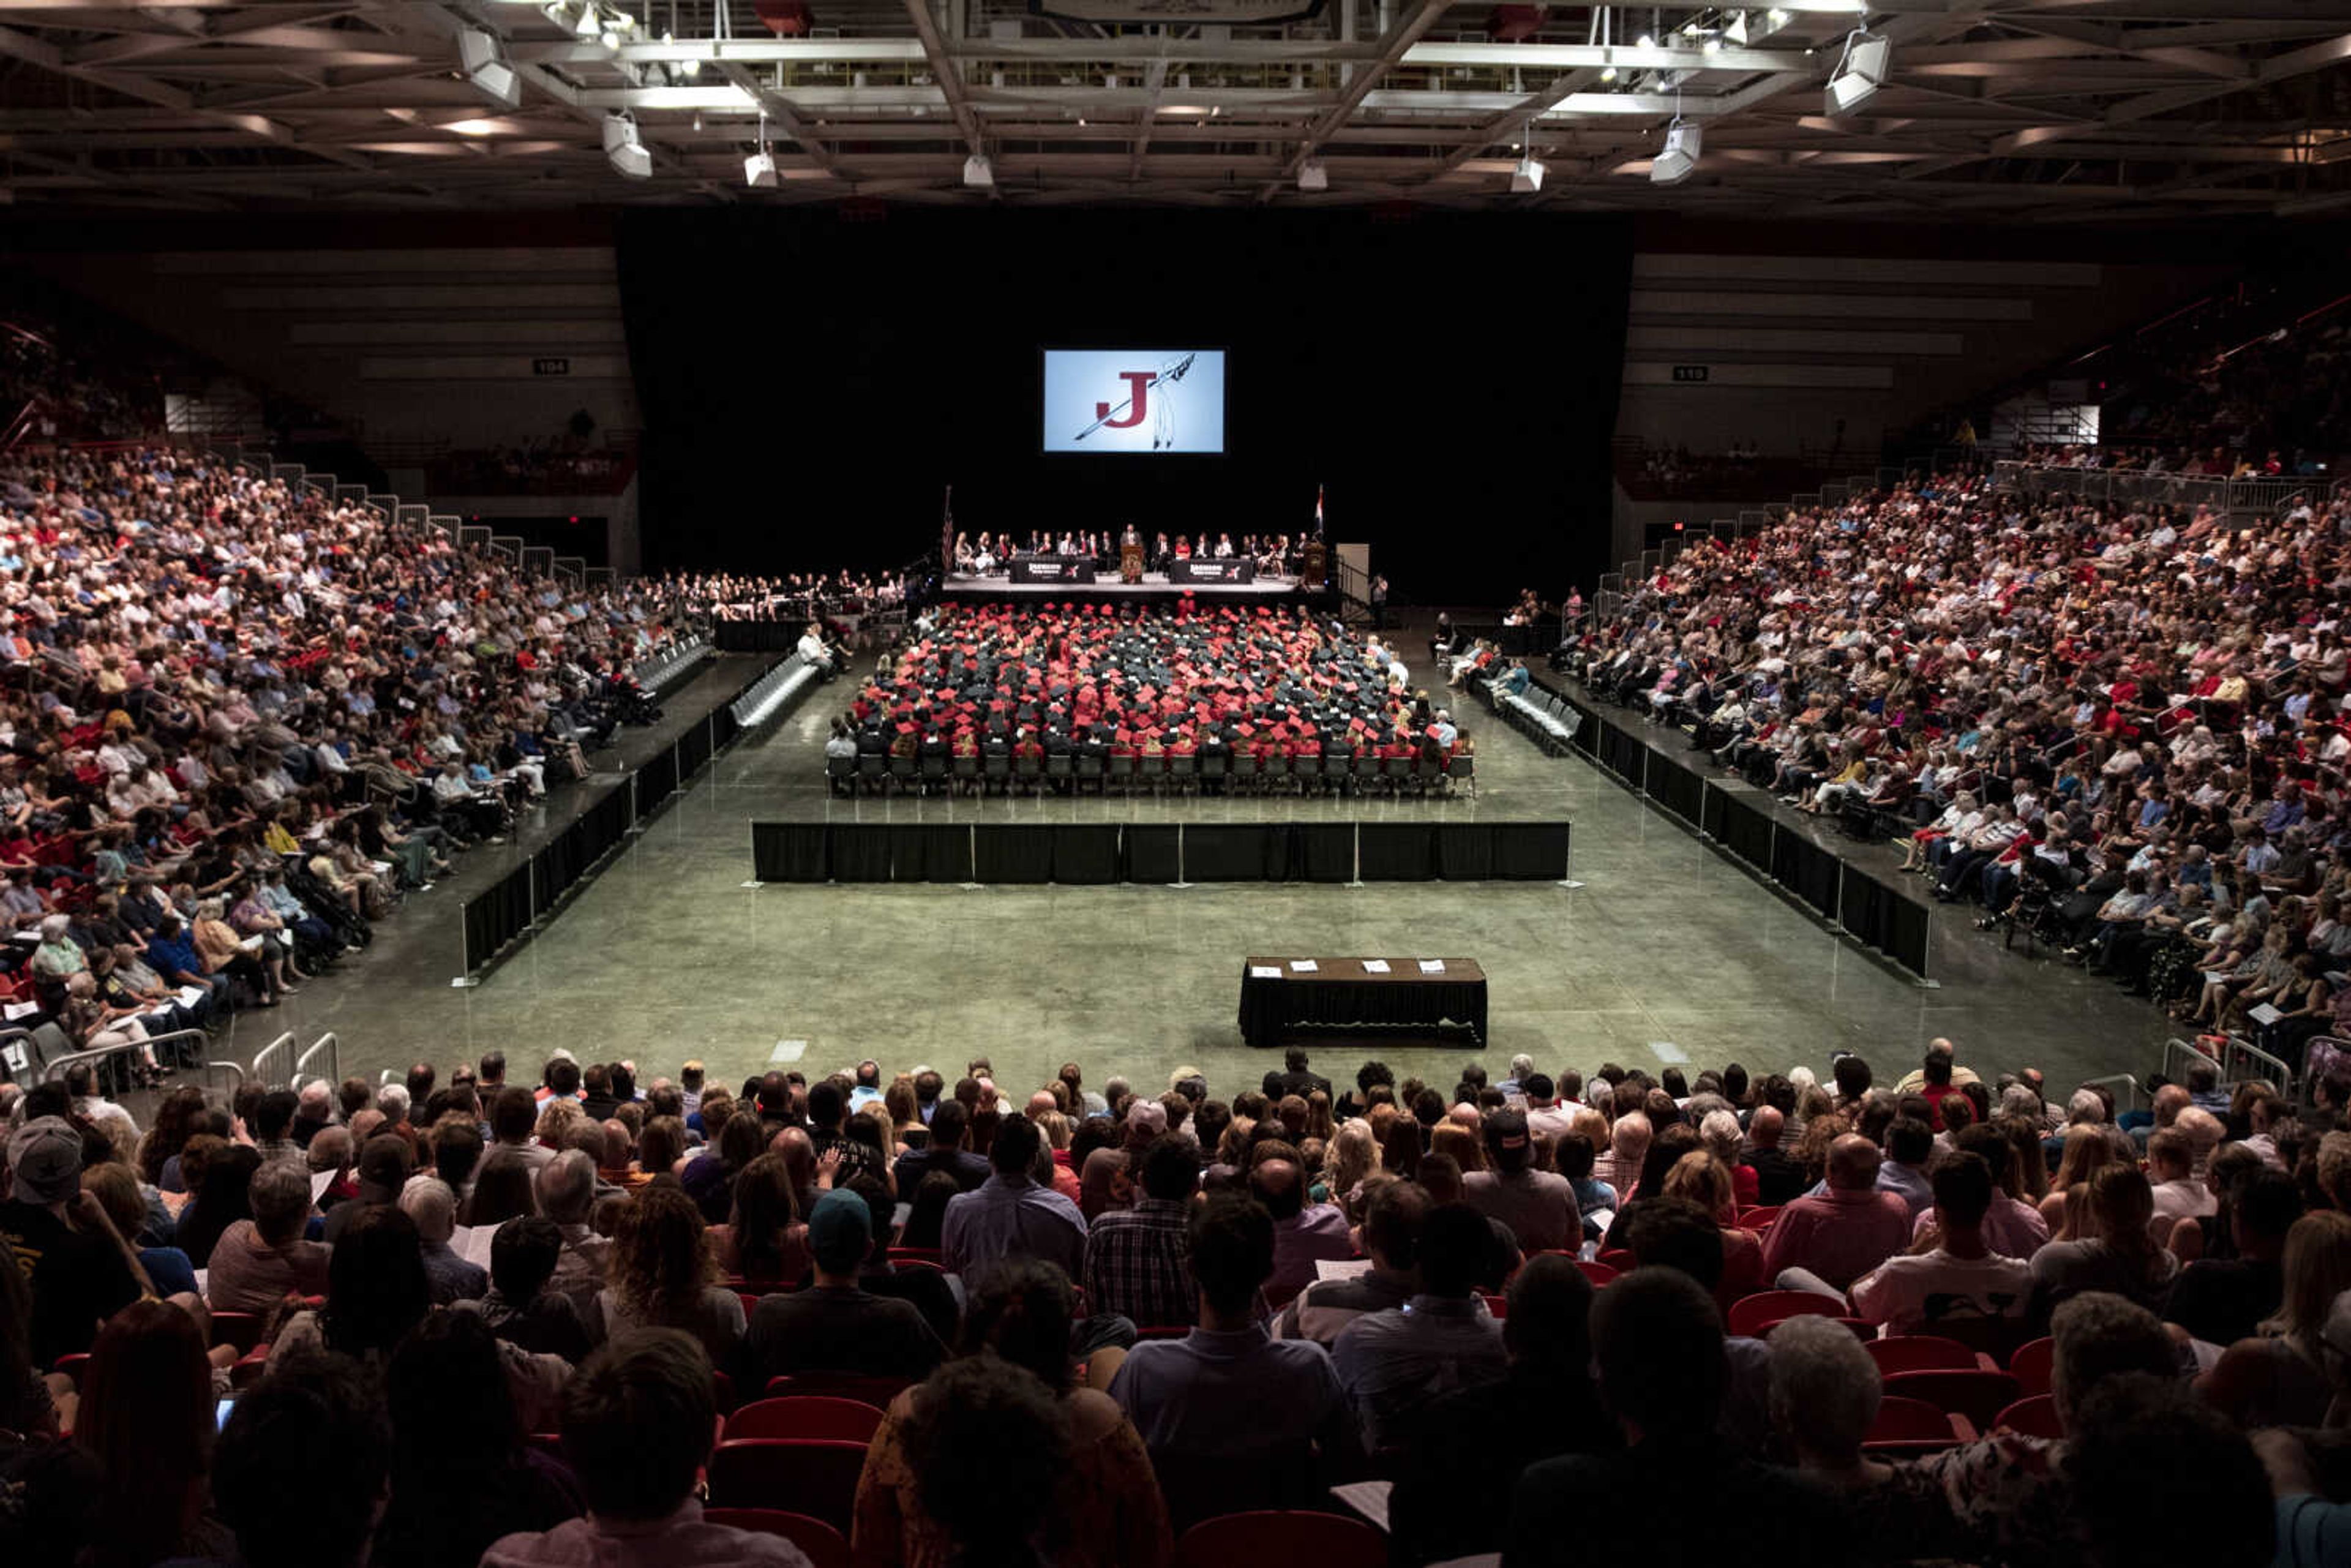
1138 395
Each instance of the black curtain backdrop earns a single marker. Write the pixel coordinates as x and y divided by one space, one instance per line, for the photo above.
811 382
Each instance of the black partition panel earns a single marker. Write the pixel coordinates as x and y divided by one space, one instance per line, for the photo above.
1465 852
1013 852
1675 788
790 852
1806 870
1527 851
1622 752
1398 851
1880 915
497 915
1236 852
1151 852
693 751
1746 833
1085 854
1325 851
860 852
929 852
1710 813
656 780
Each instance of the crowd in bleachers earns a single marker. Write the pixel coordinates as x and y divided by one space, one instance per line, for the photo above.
240 719
2125 727
924 1319
845 598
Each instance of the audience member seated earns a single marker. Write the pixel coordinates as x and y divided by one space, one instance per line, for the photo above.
639 1423
1831 1240
1950 1272
1136 1265
834 1325
1012 1213
1393 1361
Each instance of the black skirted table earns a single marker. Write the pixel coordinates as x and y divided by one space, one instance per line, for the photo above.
1278 996
1052 568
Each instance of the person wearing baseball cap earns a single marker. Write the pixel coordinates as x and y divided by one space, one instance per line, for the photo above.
1538 1206
835 1325
80 1269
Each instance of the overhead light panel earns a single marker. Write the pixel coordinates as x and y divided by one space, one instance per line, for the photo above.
625 148
482 60
1528 177
1862 72
1677 161
1313 176
978 174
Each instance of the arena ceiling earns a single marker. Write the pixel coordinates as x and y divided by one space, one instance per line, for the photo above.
1993 110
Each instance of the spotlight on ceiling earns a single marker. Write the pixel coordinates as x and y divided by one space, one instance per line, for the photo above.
625 148
1677 161
1528 177
979 172
1313 176
482 60
1737 31
1862 72
587 24
760 171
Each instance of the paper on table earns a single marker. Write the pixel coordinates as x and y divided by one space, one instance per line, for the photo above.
1375 965
1369 1498
1432 966
1265 971
1304 967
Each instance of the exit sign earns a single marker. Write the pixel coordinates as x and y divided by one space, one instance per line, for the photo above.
1690 372
555 365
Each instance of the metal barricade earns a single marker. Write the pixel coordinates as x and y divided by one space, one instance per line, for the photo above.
2243 1060
55 1069
2118 1082
333 1048
278 1054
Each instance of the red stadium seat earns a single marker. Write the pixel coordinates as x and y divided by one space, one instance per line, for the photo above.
1617 1258
2034 1416
1979 1396
807 1416
1597 1272
1163 1331
249 1367
1926 1353
1758 1219
1499 1306
917 1255
872 1390
1749 1313
817 1477
1909 1425
822 1543
1281 1539
2032 1364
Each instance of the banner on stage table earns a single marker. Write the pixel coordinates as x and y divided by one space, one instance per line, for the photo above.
1144 402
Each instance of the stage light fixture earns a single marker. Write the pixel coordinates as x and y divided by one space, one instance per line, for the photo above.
587 24
979 172
1737 31
1528 177
1608 73
1860 73
625 148
1679 159
1313 176
1645 41
482 60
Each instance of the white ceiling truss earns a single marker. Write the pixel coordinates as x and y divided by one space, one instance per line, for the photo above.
1996 110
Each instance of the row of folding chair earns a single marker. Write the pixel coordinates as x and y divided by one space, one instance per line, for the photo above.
1166 773
1542 716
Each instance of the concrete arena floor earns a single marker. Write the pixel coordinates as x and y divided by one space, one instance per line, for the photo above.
1667 953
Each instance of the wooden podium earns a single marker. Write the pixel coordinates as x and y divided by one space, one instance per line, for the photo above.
1130 562
1316 574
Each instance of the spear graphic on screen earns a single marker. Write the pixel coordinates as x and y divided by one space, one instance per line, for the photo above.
1131 413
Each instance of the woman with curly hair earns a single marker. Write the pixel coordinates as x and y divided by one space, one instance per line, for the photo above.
180 1117
1098 1501
665 1274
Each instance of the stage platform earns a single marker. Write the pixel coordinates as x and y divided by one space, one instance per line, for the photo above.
1155 588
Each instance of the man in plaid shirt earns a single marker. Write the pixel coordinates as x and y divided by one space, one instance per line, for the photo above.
1135 1264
